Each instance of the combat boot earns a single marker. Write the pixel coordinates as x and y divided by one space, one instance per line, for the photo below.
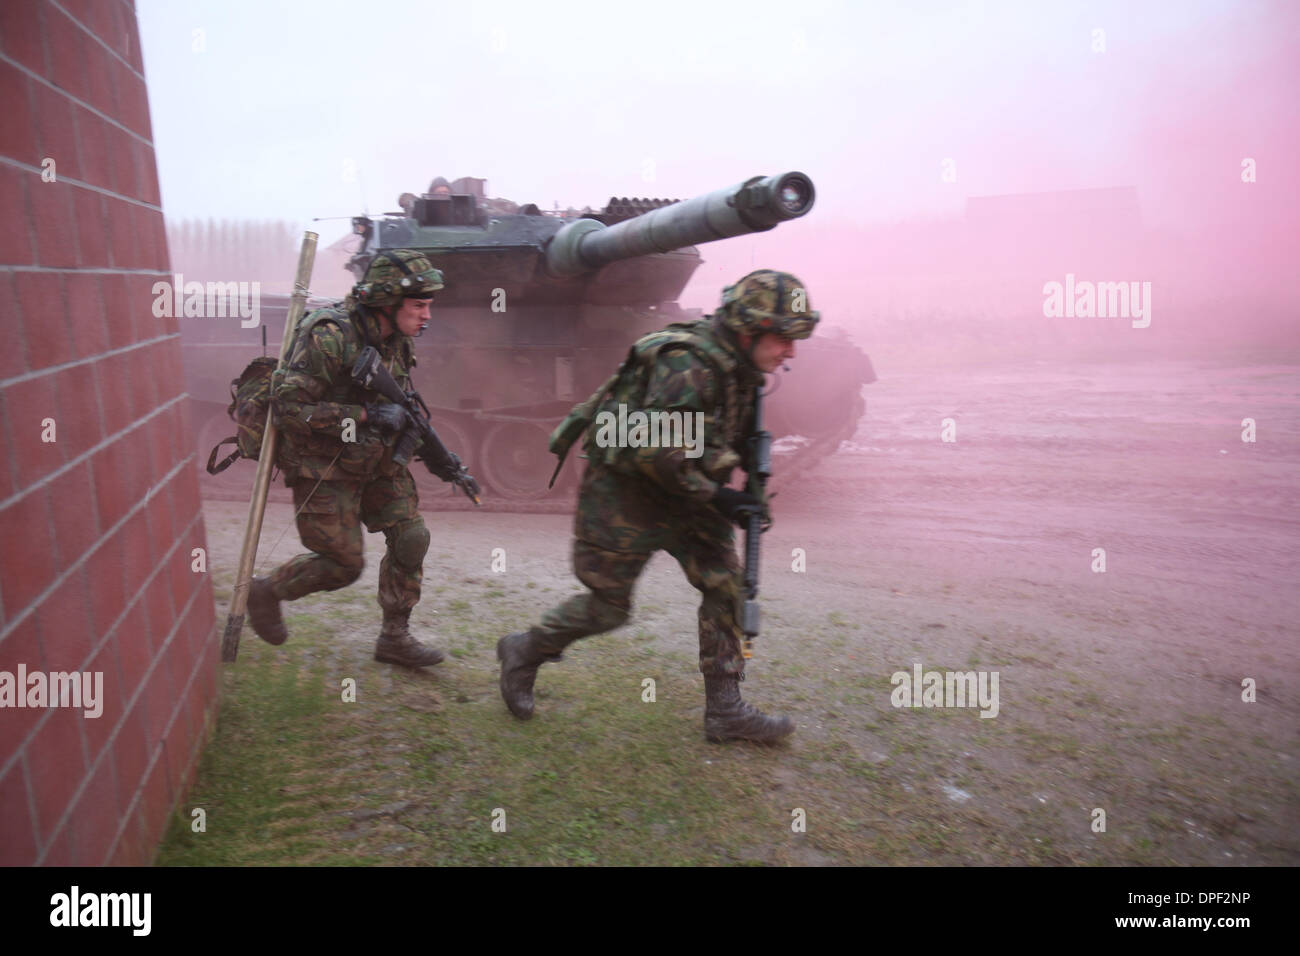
264 612
397 646
727 717
520 656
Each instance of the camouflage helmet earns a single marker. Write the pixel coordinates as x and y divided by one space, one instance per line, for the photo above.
396 274
768 301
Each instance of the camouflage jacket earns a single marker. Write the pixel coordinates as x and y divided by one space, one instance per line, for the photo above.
314 394
688 369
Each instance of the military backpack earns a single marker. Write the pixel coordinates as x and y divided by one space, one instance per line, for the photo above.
640 361
250 397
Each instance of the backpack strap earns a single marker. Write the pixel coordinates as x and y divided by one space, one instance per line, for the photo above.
215 468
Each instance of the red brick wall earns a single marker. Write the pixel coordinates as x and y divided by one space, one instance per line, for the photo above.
97 527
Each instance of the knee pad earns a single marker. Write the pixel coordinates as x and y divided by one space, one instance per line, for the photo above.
409 543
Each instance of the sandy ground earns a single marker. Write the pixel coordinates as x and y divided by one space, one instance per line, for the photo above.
1119 690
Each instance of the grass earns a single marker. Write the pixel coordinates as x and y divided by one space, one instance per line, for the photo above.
423 764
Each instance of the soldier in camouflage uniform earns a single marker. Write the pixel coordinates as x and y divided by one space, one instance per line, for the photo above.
337 455
635 501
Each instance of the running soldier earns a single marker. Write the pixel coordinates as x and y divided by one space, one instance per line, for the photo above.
337 455
636 501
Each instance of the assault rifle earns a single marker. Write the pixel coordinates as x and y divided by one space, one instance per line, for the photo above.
418 438
759 467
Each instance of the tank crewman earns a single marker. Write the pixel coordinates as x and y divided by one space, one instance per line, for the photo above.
340 484
636 501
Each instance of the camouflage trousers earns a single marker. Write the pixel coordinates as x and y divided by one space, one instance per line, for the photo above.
621 522
329 523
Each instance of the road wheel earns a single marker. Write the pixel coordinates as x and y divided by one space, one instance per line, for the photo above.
516 462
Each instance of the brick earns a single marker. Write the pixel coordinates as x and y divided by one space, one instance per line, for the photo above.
77 401
56 228
92 231
168 372
115 397
180 662
101 87
27 404
65 627
56 760
161 442
156 604
160 702
16 139
119 393
18 848
104 579
7 486
54 116
180 749
27 559
140 297
102 731
13 359
157 798
46 328
186 499
20 645
111 27
62 850
22 34
132 848
117 312
83 11
96 815
67 44
76 523
133 103
161 523
182 581
144 379
131 750
116 159
85 300
113 493
134 648
95 161
138 555
121 233
149 191
151 243
17 242
202 633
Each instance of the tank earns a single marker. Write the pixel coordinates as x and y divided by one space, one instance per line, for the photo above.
540 307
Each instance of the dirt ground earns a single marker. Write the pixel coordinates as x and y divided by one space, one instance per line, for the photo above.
1120 691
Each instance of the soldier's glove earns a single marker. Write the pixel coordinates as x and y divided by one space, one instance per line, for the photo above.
387 417
737 506
451 471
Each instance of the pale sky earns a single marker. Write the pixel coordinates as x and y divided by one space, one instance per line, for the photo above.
290 110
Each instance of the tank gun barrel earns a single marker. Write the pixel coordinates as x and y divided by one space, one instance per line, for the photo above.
756 205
